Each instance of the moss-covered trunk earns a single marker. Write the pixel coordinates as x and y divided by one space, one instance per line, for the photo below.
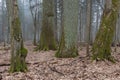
101 49
18 52
47 39
68 46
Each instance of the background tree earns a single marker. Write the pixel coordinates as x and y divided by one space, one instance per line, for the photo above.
3 23
47 38
88 26
68 47
34 9
18 52
59 7
101 49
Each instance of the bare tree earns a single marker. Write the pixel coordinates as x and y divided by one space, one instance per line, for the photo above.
34 8
18 52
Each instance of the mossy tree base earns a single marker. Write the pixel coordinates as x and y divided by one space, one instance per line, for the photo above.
47 39
101 49
45 47
64 52
67 53
18 62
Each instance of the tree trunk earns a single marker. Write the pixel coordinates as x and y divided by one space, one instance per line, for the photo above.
18 52
101 49
68 47
34 17
88 26
47 38
55 27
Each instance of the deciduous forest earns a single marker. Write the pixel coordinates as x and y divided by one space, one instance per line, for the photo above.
59 39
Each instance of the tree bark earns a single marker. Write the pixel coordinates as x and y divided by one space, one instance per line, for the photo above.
101 49
68 43
88 26
47 38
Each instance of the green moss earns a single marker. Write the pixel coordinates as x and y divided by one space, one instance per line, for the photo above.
19 65
24 52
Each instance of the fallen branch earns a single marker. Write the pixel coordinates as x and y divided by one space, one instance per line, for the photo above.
55 70
5 64
8 64
73 61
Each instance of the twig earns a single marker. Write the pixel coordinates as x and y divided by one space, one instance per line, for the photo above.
73 61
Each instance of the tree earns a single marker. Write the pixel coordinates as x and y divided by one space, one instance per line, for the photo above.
3 22
47 38
88 26
18 52
59 7
67 46
101 49
34 9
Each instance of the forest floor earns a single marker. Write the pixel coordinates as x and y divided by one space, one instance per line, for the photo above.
45 66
